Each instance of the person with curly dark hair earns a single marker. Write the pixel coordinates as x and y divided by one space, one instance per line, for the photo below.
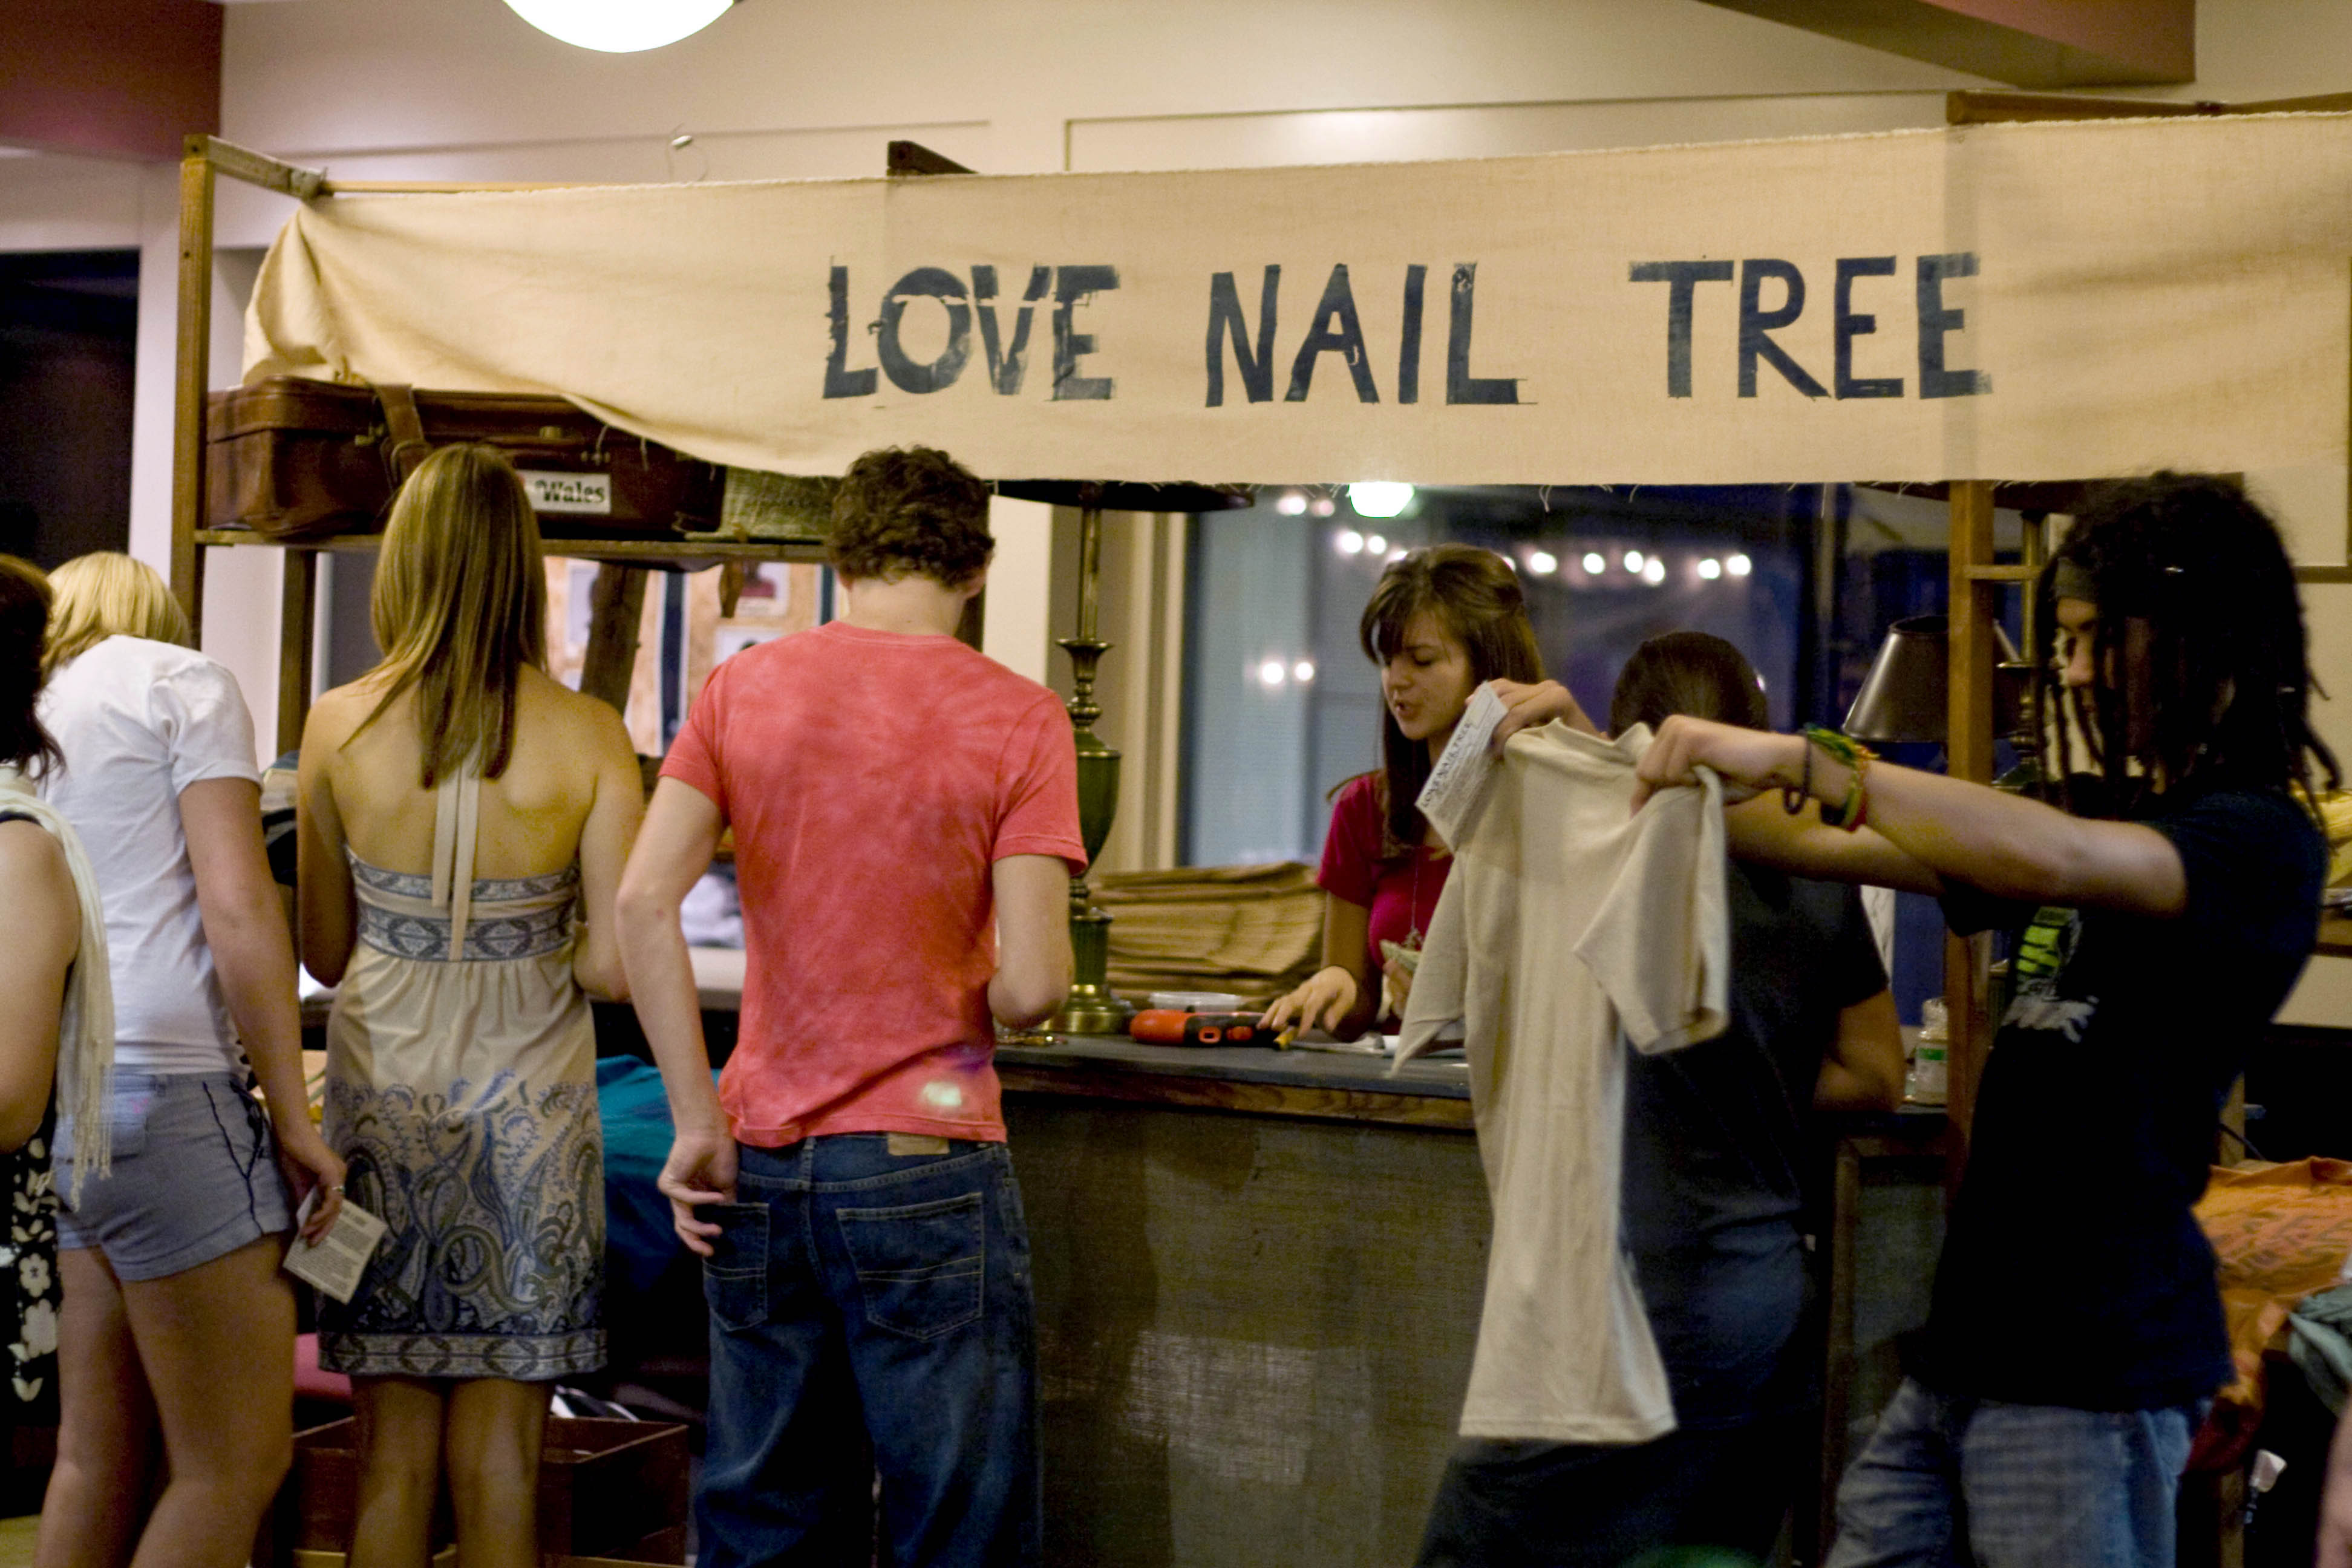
906 821
2075 1334
903 509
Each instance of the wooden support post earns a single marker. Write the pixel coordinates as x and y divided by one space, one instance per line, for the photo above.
191 376
1837 1375
616 607
1968 753
298 605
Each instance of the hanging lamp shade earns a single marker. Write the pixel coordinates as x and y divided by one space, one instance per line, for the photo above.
620 26
1906 696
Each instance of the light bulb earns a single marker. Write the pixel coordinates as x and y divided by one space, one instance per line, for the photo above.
1710 568
1290 503
1632 561
1380 498
1738 566
1271 672
620 26
1654 572
1303 671
1351 541
1594 563
1376 544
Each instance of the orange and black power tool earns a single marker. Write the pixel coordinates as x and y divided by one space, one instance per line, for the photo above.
1172 1026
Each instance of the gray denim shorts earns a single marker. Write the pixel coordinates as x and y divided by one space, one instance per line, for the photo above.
195 1176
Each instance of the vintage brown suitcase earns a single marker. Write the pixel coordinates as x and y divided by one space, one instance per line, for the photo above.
294 458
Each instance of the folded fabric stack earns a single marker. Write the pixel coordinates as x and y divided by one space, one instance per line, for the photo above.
1253 931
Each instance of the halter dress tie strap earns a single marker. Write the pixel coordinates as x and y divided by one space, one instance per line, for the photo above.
456 826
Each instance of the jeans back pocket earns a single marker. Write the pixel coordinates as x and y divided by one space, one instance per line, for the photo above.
735 1275
920 1267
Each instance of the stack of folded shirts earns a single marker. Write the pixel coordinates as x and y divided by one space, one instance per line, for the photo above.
1255 931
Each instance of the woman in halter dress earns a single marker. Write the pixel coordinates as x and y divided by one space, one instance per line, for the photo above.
464 821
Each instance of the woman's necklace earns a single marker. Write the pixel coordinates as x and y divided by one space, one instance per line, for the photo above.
1412 938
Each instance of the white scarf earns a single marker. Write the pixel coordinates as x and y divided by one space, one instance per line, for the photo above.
86 1027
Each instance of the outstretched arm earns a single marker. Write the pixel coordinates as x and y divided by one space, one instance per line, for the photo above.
2006 844
674 849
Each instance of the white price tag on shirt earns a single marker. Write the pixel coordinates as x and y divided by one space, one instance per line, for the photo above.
1458 783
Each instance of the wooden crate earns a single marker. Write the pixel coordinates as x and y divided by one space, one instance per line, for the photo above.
614 1489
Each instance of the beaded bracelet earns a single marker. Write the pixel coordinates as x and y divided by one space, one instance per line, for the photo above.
1855 756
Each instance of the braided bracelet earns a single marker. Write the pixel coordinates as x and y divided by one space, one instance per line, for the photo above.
1855 756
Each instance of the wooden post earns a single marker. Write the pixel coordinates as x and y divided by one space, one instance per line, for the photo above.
616 607
1967 751
297 604
192 376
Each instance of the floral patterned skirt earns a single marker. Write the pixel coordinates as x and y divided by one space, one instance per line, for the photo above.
29 1290
464 1097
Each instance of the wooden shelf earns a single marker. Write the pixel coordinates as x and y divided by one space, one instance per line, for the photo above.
647 551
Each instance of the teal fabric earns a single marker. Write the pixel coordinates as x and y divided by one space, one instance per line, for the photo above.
2319 1338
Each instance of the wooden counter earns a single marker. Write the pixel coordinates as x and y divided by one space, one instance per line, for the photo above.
1258 1278
1325 1085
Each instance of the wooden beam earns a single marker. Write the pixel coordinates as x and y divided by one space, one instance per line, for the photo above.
2010 108
297 604
616 608
257 168
914 158
191 376
1968 749
2016 107
445 187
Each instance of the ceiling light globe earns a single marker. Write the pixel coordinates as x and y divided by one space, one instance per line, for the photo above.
620 26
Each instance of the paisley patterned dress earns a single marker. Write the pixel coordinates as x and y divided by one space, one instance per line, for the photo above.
461 1090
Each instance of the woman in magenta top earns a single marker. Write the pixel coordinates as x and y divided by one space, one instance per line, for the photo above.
1442 621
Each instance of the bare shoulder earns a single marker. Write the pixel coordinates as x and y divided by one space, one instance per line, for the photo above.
32 862
339 712
583 720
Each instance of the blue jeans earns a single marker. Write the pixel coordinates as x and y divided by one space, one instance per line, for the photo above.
1948 1480
871 1313
1567 1505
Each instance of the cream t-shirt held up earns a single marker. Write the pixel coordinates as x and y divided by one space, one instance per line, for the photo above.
1571 922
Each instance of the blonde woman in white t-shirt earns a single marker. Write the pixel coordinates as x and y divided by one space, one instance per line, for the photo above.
177 1323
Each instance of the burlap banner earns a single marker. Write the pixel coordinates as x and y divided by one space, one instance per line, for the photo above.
2015 303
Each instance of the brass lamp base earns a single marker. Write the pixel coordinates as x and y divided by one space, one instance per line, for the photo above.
1106 1015
1090 1008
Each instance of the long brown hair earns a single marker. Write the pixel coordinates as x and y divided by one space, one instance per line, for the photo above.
1687 672
1474 596
459 607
